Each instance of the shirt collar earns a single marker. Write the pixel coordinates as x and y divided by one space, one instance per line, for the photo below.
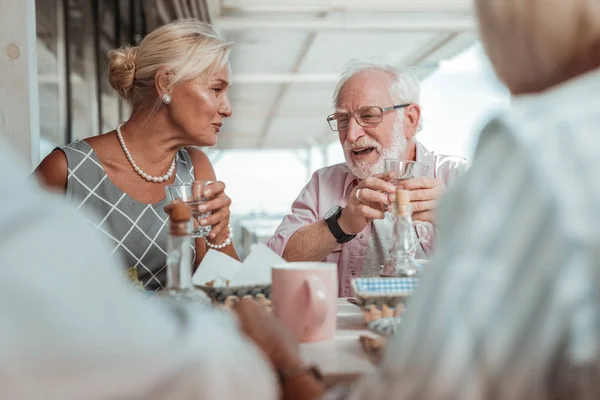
349 183
427 157
424 155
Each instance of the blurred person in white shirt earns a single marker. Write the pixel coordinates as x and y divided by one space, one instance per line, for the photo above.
73 328
509 307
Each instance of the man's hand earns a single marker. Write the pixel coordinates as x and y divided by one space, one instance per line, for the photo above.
370 203
268 334
281 349
425 193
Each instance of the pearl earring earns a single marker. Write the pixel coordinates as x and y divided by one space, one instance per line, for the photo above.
166 98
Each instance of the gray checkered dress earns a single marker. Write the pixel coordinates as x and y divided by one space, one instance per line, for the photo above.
137 230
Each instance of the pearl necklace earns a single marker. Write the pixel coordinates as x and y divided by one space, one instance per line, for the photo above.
149 178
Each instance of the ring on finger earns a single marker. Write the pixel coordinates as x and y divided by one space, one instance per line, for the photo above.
357 194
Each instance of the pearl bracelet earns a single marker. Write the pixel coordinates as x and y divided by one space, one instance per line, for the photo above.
226 243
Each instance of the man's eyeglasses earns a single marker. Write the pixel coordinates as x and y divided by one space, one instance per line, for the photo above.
366 116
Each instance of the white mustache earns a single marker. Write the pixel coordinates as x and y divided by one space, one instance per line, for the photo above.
362 143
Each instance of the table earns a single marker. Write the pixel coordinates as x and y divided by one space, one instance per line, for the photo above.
341 359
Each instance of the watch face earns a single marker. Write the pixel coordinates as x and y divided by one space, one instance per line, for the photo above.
332 211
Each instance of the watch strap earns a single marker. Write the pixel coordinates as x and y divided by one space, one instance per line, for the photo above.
335 229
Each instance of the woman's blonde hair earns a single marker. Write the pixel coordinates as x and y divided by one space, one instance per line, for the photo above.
535 44
187 49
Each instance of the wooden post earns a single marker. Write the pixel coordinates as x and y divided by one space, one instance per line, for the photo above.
19 97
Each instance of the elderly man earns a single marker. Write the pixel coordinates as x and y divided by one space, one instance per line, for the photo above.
340 215
509 308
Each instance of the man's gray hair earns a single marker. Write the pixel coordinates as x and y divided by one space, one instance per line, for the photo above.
405 89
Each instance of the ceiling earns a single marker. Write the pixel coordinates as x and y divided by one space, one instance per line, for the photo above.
287 55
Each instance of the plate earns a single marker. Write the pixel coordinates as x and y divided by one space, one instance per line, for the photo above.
382 297
384 286
230 295
385 326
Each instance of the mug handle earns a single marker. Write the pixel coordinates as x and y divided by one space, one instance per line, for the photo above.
317 300
428 229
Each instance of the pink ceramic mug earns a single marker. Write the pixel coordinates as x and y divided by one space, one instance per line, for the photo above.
304 296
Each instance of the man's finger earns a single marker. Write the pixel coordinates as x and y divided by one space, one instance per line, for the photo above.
378 184
421 206
423 195
386 176
370 213
422 182
426 216
371 196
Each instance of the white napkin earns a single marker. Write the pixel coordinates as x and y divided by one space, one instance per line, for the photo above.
255 270
215 266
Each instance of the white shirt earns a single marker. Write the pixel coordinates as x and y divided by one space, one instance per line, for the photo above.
71 327
509 308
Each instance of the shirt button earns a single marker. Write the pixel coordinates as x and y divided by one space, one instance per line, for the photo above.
353 272
361 236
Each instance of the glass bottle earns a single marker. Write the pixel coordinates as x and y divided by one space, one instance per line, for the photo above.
180 257
401 261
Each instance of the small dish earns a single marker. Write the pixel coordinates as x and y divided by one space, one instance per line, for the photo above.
353 301
228 296
385 327
382 297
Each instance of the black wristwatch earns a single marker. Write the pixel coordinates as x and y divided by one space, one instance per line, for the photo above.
331 218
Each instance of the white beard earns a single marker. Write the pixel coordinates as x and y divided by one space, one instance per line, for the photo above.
362 169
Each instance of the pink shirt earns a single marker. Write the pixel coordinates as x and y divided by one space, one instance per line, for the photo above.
331 186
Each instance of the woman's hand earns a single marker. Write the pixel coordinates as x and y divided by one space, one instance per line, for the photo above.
281 348
218 205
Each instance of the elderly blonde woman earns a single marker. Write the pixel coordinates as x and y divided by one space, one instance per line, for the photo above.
509 308
176 81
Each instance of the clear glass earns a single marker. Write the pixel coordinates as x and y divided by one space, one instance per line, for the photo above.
405 170
179 267
401 260
192 194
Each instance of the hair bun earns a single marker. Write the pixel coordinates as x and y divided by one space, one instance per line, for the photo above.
121 70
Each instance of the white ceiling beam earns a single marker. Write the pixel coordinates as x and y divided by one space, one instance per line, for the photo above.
308 42
283 78
299 77
430 48
449 24
432 7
